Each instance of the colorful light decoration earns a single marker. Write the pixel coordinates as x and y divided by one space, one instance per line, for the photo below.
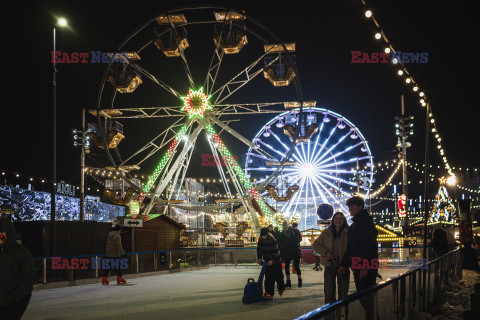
443 208
163 161
196 103
228 158
401 203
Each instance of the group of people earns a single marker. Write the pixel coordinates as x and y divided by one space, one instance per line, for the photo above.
337 246
274 248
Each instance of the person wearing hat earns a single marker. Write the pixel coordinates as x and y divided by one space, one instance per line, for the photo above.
267 251
293 252
114 251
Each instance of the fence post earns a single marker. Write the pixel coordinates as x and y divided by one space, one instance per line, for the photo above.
402 297
136 261
235 250
215 254
96 267
154 261
44 271
427 304
395 299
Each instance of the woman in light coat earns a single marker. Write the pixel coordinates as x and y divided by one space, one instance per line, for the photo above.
332 246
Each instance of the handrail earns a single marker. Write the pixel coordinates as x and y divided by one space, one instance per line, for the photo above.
182 250
331 307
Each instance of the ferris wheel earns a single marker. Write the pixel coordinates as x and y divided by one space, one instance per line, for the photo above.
161 62
331 161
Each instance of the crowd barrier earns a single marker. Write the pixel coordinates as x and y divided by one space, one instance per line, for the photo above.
400 296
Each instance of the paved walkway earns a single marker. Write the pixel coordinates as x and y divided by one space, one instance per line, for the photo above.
214 293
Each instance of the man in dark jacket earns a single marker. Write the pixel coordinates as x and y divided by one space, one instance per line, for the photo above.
17 273
293 252
267 250
362 251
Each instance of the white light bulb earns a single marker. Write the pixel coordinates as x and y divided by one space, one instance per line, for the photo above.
400 72
378 35
368 13
387 50
415 88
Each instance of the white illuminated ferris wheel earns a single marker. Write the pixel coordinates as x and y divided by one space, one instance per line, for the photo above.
330 162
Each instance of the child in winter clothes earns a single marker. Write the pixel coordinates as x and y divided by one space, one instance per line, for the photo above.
267 250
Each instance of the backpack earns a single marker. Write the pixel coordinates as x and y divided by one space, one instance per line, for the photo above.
253 291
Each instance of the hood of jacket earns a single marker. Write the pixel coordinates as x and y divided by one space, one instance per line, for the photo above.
11 245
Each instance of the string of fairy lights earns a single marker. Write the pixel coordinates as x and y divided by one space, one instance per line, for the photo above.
402 71
378 167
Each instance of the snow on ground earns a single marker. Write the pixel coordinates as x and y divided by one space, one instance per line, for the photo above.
213 293
455 299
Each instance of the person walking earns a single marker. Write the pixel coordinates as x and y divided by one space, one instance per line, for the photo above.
293 252
362 251
267 251
114 251
332 246
17 273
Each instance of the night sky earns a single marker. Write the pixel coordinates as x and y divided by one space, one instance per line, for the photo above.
366 94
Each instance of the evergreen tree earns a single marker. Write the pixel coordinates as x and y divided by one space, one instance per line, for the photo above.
443 208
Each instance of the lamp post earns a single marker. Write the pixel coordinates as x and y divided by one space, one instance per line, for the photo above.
62 22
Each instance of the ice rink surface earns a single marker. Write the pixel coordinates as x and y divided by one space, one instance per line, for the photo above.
213 293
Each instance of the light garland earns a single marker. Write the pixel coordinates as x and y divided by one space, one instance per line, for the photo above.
402 71
196 103
163 161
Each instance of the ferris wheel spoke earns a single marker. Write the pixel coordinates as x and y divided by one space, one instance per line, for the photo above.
339 153
271 148
320 191
332 147
325 142
159 82
182 53
241 79
214 67
261 156
283 145
298 193
234 133
313 194
337 179
156 147
320 179
344 162
310 160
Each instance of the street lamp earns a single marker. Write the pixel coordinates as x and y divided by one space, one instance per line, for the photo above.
61 22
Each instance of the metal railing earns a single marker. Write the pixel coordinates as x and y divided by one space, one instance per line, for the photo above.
80 267
400 296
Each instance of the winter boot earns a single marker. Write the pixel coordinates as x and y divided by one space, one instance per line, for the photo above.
289 283
299 282
120 280
105 281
